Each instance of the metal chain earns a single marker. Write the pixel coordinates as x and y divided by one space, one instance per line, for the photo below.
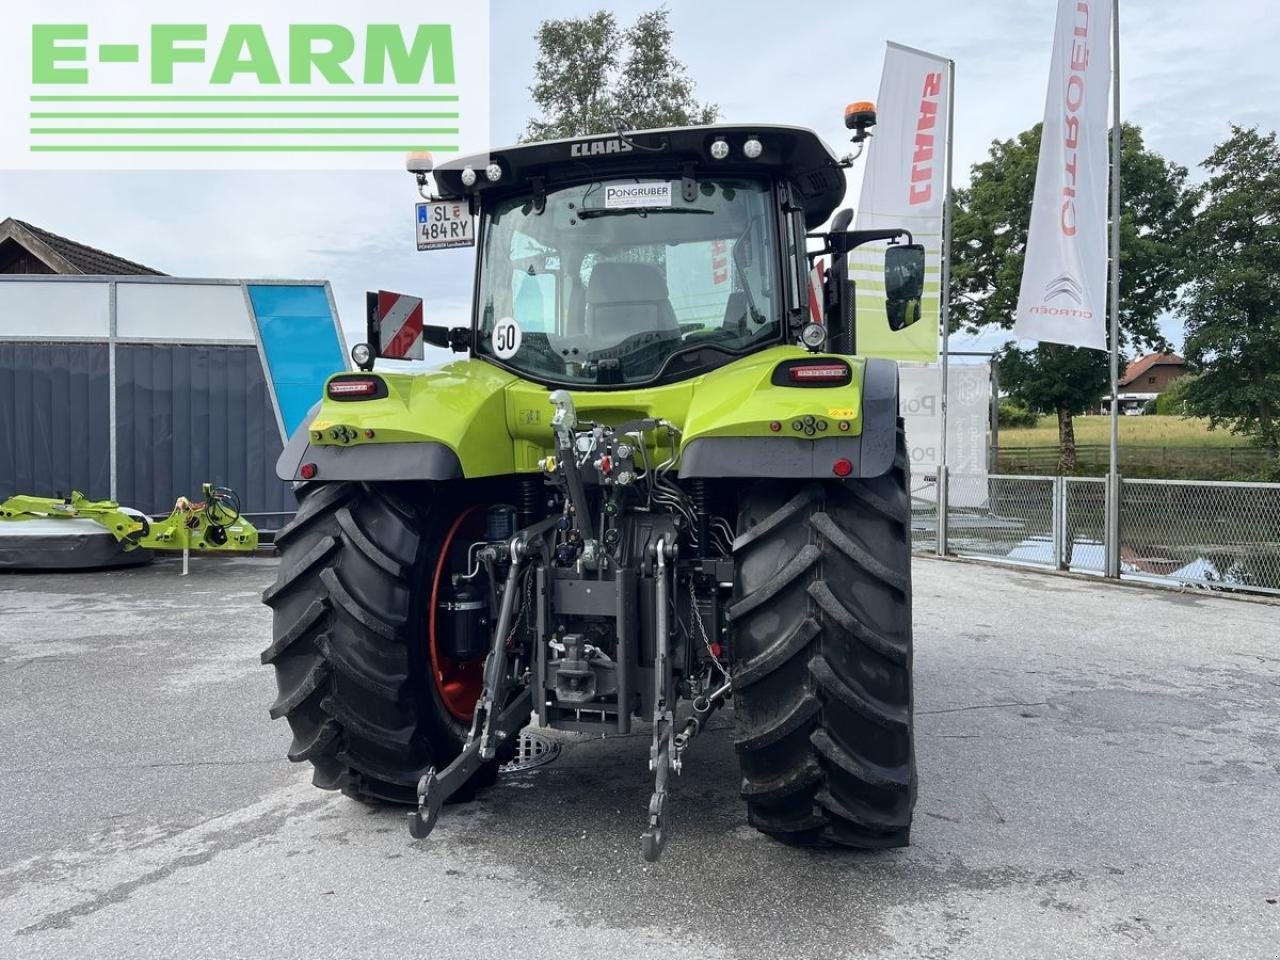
702 632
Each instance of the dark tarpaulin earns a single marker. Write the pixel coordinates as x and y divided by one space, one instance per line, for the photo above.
188 413
55 434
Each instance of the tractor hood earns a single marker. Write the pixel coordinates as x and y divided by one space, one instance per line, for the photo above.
787 153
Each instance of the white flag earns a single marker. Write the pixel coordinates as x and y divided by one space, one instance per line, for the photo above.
1064 280
904 185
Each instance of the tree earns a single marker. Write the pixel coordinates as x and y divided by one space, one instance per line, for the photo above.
577 59
992 217
589 77
1055 378
1232 307
653 89
1173 401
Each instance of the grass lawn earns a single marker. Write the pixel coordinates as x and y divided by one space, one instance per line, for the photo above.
1150 431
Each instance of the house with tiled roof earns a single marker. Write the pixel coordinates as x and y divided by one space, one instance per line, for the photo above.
1152 373
1144 379
25 248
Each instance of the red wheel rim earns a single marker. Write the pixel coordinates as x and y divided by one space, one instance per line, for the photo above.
458 683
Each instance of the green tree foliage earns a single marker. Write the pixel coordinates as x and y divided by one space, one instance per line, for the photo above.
1013 414
1173 402
1054 378
653 89
577 60
590 76
1232 308
992 217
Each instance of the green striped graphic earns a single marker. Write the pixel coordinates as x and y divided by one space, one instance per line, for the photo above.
238 134
238 115
235 148
266 131
241 98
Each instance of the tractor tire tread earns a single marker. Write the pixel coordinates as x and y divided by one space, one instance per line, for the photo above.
853 696
361 541
296 630
804 709
774 656
318 744
353 678
821 634
786 782
291 699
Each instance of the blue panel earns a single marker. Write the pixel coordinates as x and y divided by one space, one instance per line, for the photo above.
300 337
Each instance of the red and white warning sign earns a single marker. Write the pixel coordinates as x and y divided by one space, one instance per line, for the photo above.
719 261
397 320
818 292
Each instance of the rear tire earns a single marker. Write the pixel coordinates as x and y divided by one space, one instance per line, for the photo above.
349 640
822 642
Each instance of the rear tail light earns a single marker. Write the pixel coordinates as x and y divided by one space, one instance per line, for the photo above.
819 373
353 387
812 372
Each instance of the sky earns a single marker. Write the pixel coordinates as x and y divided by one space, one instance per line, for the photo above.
1189 70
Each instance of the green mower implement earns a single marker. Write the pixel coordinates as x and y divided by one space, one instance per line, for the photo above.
659 482
212 524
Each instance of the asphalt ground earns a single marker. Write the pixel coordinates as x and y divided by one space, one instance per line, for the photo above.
1099 773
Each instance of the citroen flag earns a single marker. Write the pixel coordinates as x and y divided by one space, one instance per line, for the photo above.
904 185
1064 281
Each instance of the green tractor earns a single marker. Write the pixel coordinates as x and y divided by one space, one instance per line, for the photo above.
660 481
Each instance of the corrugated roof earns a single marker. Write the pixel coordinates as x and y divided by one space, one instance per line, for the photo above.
66 256
1140 366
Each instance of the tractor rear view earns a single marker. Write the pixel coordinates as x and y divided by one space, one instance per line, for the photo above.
659 482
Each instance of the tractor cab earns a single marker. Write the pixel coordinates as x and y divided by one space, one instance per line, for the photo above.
649 257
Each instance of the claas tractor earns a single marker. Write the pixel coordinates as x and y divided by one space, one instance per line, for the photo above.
659 481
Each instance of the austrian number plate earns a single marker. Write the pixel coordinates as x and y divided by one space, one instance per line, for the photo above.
445 223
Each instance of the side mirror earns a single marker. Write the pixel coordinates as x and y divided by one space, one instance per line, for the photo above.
903 284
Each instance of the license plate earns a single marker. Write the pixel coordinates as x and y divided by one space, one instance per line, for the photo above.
443 224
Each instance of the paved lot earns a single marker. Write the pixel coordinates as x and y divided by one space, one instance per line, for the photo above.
1099 770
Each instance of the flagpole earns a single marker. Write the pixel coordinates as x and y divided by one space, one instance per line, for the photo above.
1113 473
945 312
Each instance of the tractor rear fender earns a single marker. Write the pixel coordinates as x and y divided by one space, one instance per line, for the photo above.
472 419
724 441
439 425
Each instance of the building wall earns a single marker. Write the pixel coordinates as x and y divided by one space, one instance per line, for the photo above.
192 400
55 432
185 414
1155 380
190 413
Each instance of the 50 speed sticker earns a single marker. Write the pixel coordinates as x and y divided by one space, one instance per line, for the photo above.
506 338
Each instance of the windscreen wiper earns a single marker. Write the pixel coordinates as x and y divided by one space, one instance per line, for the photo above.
739 248
642 211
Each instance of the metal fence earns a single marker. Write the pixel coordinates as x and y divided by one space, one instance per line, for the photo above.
1202 463
1211 534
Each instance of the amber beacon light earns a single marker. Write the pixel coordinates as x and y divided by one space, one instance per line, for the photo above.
860 116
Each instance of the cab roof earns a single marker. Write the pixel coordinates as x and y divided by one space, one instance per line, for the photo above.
793 154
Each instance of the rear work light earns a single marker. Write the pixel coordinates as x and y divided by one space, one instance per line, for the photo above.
819 373
353 387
